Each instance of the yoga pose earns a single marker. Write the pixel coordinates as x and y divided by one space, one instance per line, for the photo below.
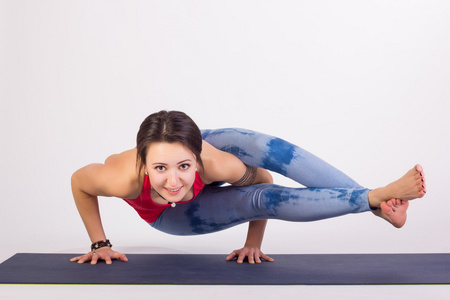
172 179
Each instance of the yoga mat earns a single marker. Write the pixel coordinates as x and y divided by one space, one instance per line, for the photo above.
188 269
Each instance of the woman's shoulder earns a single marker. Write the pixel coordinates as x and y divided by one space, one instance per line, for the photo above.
220 165
124 171
122 159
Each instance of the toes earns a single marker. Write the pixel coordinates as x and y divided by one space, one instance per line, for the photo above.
421 185
418 168
394 211
395 203
422 181
386 207
423 190
403 203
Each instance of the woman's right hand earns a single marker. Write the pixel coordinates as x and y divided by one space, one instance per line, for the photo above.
104 253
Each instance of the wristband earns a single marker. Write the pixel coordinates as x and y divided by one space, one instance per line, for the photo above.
100 244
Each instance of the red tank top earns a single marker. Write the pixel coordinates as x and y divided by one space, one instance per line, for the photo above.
149 210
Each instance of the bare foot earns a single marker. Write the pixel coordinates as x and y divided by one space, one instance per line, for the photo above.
393 211
410 186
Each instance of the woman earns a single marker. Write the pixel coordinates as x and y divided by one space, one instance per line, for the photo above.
169 179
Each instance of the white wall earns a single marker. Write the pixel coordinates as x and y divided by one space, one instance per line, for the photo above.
362 84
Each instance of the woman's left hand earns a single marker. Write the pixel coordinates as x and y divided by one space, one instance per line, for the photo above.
253 254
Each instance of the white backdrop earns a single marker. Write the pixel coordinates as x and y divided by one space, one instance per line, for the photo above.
362 84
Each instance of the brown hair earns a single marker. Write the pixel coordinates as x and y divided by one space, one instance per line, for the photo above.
169 127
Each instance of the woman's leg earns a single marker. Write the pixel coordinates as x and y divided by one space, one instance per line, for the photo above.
219 208
274 154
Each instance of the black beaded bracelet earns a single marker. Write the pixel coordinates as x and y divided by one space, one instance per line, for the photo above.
100 244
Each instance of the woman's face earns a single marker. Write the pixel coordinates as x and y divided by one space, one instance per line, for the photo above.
171 169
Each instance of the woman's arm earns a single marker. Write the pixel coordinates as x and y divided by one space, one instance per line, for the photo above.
223 166
109 179
255 233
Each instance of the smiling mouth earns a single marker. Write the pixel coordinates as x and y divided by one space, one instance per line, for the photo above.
173 191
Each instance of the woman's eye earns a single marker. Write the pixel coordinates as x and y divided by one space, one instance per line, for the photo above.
160 168
184 166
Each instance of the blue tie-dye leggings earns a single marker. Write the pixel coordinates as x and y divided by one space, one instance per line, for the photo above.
329 192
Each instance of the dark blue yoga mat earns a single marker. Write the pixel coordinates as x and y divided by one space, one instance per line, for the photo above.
188 269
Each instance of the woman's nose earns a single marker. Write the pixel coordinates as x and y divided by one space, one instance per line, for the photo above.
173 179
